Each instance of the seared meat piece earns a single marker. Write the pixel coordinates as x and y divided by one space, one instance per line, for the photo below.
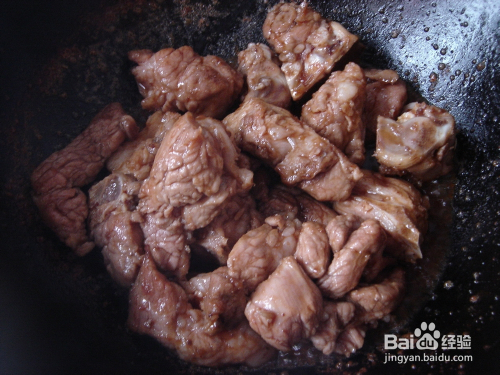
385 96
397 205
336 316
193 174
180 79
285 308
308 45
114 226
351 339
313 252
339 229
56 181
335 184
295 151
312 210
160 308
376 301
237 216
420 142
264 77
218 295
348 264
137 157
335 111
257 253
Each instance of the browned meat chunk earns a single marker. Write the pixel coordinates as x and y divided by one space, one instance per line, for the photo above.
137 157
238 216
264 77
114 226
312 210
385 96
257 253
335 111
335 184
336 316
420 142
285 308
56 181
376 301
193 174
295 151
313 252
350 340
339 229
160 308
218 295
308 45
180 79
397 205
348 264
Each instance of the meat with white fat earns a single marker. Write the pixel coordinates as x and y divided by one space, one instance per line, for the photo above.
308 45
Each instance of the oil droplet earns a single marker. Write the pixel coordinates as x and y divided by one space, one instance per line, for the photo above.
464 24
452 77
448 284
474 298
427 38
433 77
435 46
385 20
443 51
426 29
481 66
441 66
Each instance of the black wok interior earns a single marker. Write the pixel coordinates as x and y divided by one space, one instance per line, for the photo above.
62 61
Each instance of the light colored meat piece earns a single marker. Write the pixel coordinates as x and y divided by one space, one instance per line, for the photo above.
285 308
335 111
420 142
348 264
265 80
180 79
312 210
160 308
258 252
57 180
339 229
114 227
218 295
350 340
336 316
397 205
386 96
237 216
308 45
313 251
295 151
136 157
193 175
376 301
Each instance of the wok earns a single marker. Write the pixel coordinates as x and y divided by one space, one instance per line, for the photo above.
63 61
